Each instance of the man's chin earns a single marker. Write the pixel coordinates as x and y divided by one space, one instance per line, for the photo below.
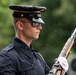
35 38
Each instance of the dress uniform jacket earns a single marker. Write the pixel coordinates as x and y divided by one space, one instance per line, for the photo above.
19 59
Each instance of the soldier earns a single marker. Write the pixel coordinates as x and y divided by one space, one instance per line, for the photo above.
19 58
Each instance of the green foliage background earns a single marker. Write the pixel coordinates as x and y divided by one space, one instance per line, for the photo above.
60 21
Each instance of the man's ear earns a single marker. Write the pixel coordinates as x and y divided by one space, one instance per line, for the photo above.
19 25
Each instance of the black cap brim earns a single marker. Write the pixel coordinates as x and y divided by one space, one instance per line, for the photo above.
39 20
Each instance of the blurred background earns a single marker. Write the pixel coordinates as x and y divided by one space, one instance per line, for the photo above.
60 22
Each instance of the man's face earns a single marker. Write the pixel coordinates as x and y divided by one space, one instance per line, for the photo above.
29 31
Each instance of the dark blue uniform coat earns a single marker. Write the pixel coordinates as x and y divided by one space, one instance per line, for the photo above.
19 59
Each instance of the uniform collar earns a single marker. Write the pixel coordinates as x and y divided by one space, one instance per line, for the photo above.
20 45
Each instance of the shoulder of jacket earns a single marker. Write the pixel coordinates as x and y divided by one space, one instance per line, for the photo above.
9 52
7 49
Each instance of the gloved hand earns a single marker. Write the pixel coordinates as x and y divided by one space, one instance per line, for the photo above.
63 63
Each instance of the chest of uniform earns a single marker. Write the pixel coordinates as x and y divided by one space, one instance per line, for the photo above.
30 66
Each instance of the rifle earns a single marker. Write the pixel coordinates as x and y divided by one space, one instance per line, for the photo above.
56 68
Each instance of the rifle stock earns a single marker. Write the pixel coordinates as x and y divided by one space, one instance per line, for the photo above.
56 69
66 55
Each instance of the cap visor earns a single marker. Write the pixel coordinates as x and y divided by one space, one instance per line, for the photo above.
39 20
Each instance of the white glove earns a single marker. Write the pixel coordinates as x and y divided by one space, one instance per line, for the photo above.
64 64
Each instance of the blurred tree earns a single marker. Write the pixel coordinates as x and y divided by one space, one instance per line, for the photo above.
6 29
